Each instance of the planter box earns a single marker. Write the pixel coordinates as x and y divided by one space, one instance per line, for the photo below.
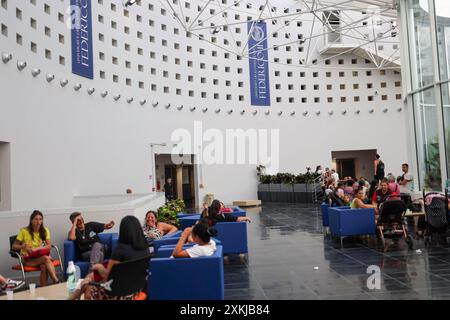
275 187
286 193
300 187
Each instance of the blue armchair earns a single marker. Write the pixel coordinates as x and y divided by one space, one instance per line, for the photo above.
166 250
324 210
166 240
233 236
351 222
187 278
70 251
188 221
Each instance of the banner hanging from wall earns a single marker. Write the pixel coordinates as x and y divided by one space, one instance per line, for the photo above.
82 55
259 63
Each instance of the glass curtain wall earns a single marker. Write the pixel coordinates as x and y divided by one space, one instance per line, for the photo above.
442 8
424 102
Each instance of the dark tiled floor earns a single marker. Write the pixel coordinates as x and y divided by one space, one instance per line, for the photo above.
286 243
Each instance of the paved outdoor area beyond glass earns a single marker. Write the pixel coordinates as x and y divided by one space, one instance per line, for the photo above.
290 258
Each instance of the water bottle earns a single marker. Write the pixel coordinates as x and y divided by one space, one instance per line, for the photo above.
73 274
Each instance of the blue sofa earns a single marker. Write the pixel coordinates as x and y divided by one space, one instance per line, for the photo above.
186 278
351 222
233 235
166 250
167 239
188 219
324 210
70 251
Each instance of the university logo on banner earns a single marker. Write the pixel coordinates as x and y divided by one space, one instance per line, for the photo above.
82 55
259 63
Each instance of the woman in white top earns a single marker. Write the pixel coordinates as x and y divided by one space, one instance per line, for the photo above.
201 234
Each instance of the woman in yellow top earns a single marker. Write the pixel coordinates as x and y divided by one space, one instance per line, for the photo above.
32 238
358 202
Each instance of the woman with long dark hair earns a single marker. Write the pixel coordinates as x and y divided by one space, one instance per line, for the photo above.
132 245
215 214
153 229
34 243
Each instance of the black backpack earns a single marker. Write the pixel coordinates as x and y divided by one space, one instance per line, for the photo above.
380 167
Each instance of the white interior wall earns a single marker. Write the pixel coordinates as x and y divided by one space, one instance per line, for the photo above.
66 143
57 220
5 176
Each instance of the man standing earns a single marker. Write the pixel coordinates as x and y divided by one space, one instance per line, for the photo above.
168 189
406 180
86 238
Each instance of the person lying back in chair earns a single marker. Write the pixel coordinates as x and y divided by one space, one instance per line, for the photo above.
153 229
215 214
201 234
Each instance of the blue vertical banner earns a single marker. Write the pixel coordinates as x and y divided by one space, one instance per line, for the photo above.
259 63
82 55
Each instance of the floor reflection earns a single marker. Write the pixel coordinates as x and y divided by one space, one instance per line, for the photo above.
290 258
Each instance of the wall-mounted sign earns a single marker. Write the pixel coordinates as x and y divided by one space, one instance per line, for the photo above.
259 63
82 55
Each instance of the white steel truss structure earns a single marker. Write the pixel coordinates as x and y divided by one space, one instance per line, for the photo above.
366 28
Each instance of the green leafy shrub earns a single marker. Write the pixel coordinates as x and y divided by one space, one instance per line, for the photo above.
287 178
168 212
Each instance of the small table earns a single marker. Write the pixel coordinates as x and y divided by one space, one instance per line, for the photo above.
50 292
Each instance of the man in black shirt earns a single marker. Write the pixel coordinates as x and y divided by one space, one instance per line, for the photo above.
168 189
86 238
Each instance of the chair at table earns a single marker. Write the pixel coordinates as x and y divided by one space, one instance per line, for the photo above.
71 251
127 278
233 236
26 269
199 278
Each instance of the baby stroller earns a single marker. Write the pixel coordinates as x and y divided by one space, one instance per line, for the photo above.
390 224
436 213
